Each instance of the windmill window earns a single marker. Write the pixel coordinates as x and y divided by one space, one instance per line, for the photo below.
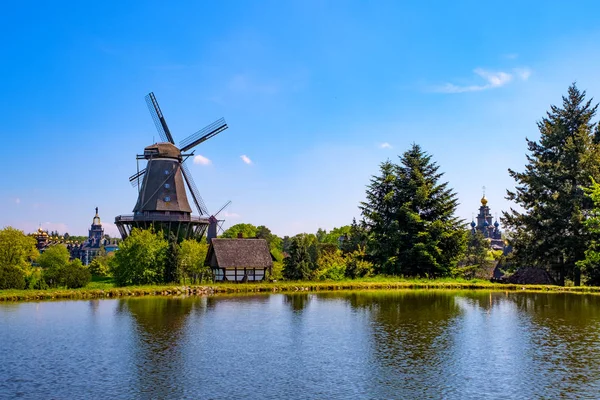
167 198
167 186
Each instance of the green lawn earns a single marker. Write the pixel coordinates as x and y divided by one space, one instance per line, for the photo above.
103 288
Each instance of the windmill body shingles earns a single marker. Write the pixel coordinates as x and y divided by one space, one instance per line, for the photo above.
240 253
163 188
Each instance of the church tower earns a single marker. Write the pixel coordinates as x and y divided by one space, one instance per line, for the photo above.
489 228
96 232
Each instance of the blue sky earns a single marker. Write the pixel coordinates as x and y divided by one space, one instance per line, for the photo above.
316 94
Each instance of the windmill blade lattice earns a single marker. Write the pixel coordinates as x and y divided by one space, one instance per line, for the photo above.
200 205
158 118
137 177
203 134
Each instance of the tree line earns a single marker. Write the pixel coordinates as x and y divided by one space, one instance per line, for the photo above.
408 224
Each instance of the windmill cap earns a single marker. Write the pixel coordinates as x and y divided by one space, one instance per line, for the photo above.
167 150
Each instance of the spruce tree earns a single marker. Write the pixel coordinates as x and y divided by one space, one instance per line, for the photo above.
549 232
410 218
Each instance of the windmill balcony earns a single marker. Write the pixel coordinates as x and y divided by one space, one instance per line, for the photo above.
161 217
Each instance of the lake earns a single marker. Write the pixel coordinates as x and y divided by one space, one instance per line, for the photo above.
336 345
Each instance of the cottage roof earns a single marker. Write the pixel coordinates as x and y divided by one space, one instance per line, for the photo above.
231 253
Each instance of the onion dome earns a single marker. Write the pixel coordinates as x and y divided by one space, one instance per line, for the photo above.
496 224
486 223
472 224
483 201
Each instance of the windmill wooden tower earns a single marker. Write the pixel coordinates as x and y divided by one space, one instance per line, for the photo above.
162 199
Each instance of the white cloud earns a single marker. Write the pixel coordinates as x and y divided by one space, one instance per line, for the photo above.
385 145
202 160
494 79
230 215
523 73
246 159
17 201
511 56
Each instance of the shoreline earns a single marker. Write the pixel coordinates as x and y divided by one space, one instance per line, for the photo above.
275 287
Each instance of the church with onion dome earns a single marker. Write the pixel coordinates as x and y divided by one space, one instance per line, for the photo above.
487 226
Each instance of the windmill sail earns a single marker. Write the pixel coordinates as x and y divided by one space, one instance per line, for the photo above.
158 118
203 134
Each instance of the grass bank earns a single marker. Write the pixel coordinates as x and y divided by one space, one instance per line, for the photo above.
105 289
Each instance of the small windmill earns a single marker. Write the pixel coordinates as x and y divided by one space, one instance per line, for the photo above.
162 199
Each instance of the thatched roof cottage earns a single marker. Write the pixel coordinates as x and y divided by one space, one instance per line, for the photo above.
239 260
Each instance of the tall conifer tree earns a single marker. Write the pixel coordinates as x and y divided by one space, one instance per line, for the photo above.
549 231
410 218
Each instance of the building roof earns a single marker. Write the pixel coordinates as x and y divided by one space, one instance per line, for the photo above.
231 253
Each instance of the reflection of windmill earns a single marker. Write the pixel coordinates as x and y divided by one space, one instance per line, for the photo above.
162 200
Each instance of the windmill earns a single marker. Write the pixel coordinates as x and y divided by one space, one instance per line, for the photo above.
162 199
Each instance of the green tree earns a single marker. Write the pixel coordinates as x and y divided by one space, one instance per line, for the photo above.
192 255
590 265
140 259
16 248
334 236
275 242
331 264
302 258
410 218
356 264
172 272
100 266
549 232
355 239
55 256
246 230
74 275
477 258
53 262
17 251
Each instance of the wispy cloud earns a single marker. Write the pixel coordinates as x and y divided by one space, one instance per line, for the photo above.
493 79
201 160
231 215
523 73
17 201
511 56
385 145
246 159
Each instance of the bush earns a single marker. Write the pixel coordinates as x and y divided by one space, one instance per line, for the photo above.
357 266
71 275
331 263
276 271
140 259
35 279
75 275
12 277
100 266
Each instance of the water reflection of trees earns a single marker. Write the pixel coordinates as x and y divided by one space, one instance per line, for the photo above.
565 340
158 339
297 302
410 338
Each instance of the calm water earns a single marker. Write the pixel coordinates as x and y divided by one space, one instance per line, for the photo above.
408 344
